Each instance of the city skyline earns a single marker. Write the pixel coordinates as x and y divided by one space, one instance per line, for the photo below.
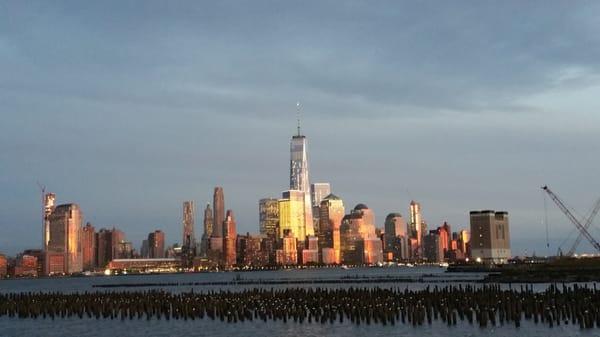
131 131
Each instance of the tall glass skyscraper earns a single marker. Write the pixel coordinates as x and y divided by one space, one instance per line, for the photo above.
299 177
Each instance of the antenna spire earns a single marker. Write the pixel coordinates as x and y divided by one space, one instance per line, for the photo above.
298 106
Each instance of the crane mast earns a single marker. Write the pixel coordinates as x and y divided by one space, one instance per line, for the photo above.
582 230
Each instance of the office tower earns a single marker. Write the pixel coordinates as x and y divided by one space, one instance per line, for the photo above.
358 226
145 249
464 237
103 247
415 228
268 212
49 200
331 213
124 250
445 234
432 249
229 239
88 247
39 255
288 255
395 238
251 251
3 266
189 240
291 215
318 191
156 244
490 238
117 236
311 254
63 254
299 179
208 229
219 215
26 265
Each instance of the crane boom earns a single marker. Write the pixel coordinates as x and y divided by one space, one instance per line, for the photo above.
582 230
587 224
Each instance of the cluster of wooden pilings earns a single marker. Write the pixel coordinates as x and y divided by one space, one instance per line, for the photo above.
481 306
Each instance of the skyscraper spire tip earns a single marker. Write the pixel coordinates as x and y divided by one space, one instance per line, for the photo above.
298 106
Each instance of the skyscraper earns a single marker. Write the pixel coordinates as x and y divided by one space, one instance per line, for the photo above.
88 247
268 211
63 254
318 191
156 244
229 239
189 240
291 215
331 214
49 199
103 247
219 209
415 228
395 236
299 178
490 238
208 229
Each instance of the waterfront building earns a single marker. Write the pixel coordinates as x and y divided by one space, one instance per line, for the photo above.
156 244
291 215
331 213
288 254
88 247
310 255
356 226
268 213
395 238
26 266
299 179
229 239
219 212
63 254
432 248
371 249
444 232
49 201
251 251
39 255
3 266
415 227
103 247
158 265
188 242
490 237
208 229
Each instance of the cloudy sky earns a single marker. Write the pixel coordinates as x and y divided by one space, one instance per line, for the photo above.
129 108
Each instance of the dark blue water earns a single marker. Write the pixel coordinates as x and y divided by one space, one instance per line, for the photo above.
111 328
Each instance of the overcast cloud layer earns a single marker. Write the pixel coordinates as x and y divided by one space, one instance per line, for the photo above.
130 108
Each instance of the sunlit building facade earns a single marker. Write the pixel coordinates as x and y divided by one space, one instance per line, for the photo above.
395 238
268 213
331 213
156 244
229 240
357 227
219 212
291 215
64 255
189 218
299 178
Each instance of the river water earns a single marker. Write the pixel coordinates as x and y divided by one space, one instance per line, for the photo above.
422 276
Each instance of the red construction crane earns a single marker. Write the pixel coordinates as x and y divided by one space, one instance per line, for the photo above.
582 229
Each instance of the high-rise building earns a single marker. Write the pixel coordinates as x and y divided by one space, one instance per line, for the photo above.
331 213
318 191
156 244
445 233
464 237
291 215
116 238
358 226
49 200
299 178
229 239
189 215
3 266
103 247
288 254
208 229
268 211
432 249
219 209
145 249
88 247
63 254
395 238
416 228
490 238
